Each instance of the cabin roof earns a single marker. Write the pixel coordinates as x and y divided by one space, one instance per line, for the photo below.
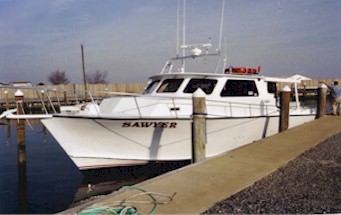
215 75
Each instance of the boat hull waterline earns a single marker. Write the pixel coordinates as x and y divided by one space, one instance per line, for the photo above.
99 142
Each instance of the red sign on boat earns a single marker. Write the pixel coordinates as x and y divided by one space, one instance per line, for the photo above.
242 70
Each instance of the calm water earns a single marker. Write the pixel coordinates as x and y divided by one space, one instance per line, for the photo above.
49 182
46 183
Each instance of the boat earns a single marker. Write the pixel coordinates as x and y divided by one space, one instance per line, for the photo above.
155 126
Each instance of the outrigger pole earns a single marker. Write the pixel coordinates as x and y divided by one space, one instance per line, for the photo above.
84 74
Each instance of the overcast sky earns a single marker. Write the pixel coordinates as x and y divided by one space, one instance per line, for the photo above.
131 39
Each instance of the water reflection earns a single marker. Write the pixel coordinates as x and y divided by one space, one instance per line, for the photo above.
21 158
36 176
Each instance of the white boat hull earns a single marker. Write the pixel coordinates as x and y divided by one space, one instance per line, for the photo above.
98 142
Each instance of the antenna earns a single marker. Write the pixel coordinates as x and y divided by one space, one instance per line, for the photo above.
183 35
221 24
221 37
225 54
178 29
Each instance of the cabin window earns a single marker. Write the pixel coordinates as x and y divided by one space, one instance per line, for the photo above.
151 87
239 88
170 85
272 87
207 85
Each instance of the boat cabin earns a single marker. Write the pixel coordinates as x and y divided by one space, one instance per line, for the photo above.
215 86
227 95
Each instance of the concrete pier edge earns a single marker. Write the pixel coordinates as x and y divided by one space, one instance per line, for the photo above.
200 186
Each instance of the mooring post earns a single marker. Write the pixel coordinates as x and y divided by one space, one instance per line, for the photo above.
19 100
284 106
21 161
7 100
44 107
304 92
321 100
199 126
65 98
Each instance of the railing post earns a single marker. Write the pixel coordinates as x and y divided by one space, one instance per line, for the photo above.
321 100
199 126
284 107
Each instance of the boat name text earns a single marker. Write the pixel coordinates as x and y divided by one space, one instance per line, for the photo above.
149 124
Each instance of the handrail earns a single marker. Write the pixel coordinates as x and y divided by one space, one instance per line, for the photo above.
50 101
229 106
175 102
137 107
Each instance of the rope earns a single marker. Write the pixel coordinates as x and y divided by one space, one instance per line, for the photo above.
116 211
123 209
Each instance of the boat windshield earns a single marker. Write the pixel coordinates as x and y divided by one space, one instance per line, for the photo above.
151 86
170 85
207 85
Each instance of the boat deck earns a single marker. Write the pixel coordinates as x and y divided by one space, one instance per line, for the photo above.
198 187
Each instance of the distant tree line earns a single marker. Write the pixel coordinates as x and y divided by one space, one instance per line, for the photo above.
60 77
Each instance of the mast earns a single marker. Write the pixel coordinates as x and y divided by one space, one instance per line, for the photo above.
84 74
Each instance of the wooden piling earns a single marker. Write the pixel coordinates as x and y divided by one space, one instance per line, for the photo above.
21 158
65 98
199 126
21 161
304 94
284 108
19 100
7 100
321 100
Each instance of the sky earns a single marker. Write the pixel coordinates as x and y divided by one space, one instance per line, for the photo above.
132 39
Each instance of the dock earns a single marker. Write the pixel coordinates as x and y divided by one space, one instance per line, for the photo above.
196 188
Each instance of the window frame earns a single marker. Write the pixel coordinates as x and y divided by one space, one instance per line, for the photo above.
230 90
190 84
151 86
163 87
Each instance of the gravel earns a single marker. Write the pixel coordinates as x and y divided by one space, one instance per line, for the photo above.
311 183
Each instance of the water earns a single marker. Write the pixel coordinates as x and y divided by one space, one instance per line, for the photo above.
36 175
46 183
